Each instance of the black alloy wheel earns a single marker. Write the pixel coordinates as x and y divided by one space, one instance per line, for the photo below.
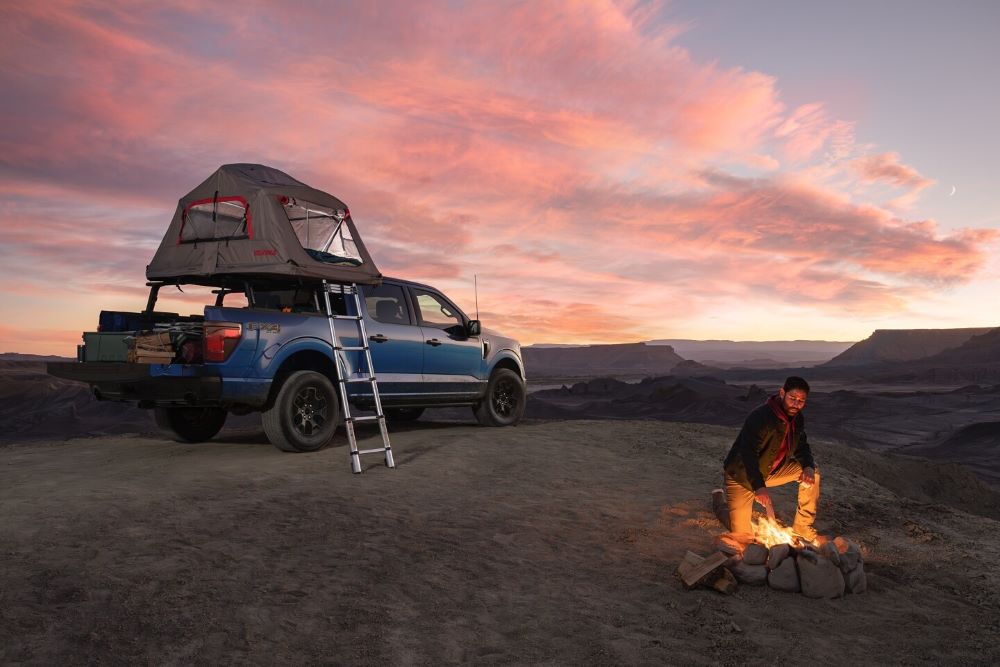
305 413
504 402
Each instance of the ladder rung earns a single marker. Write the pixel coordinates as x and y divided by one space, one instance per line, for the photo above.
356 376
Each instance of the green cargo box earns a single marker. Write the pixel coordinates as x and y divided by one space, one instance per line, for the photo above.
108 346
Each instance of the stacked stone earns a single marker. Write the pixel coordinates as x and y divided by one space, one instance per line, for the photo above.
826 572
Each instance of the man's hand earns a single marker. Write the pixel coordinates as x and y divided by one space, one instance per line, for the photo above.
808 477
763 497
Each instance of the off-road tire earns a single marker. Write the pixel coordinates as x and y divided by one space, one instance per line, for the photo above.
305 413
190 424
403 414
504 402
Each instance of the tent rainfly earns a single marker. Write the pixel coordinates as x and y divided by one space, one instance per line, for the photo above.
249 219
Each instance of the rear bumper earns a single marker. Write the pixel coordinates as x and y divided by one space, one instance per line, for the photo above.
119 381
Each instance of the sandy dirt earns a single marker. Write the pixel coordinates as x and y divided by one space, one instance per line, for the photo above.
551 542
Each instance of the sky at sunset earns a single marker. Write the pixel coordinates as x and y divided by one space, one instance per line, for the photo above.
611 171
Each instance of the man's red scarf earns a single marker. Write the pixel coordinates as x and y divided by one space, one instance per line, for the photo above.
775 404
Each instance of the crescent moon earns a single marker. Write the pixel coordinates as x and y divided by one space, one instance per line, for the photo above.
953 190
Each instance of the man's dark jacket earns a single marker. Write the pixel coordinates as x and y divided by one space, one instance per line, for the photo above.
750 460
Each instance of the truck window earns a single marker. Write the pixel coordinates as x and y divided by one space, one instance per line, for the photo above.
435 311
297 300
193 299
387 304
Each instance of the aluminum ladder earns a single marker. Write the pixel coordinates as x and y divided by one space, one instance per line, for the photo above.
346 374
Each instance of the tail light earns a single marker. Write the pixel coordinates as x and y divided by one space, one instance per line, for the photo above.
221 338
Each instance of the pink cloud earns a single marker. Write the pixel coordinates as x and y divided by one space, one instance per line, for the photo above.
886 168
809 128
571 154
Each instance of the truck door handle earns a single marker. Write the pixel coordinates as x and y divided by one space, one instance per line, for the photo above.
378 338
433 341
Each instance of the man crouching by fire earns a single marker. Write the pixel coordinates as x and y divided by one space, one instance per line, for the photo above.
772 450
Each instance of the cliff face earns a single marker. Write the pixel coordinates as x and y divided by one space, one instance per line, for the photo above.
595 360
979 349
756 354
891 345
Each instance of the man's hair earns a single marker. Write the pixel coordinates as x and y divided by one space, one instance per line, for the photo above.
795 382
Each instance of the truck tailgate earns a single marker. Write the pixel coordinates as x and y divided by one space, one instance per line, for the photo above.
123 381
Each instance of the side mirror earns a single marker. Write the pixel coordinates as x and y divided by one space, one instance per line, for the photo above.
473 328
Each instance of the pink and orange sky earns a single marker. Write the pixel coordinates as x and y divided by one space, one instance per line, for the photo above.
611 171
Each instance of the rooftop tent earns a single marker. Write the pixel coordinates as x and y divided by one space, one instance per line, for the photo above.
248 219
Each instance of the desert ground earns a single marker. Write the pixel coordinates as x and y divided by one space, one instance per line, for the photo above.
553 542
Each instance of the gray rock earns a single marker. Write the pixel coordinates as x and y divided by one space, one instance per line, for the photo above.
808 552
851 558
755 554
818 576
785 577
754 575
857 581
777 554
829 549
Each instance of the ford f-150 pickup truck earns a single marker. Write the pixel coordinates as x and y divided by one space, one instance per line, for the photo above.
264 345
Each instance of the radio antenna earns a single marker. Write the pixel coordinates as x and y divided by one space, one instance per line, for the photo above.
475 288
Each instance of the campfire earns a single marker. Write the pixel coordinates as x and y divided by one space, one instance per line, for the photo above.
771 532
775 556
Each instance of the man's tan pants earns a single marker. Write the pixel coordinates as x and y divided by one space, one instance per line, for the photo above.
740 499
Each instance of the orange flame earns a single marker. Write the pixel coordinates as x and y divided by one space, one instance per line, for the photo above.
769 533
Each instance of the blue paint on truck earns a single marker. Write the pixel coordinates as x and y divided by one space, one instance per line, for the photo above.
426 353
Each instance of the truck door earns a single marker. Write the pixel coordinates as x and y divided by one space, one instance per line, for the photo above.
396 342
452 360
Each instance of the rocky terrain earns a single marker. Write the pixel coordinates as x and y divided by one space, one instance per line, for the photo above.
755 354
627 359
894 345
950 426
552 542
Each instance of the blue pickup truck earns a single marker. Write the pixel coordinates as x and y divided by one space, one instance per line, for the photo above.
264 345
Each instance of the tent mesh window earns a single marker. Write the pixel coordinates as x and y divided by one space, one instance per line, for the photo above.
217 219
322 232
